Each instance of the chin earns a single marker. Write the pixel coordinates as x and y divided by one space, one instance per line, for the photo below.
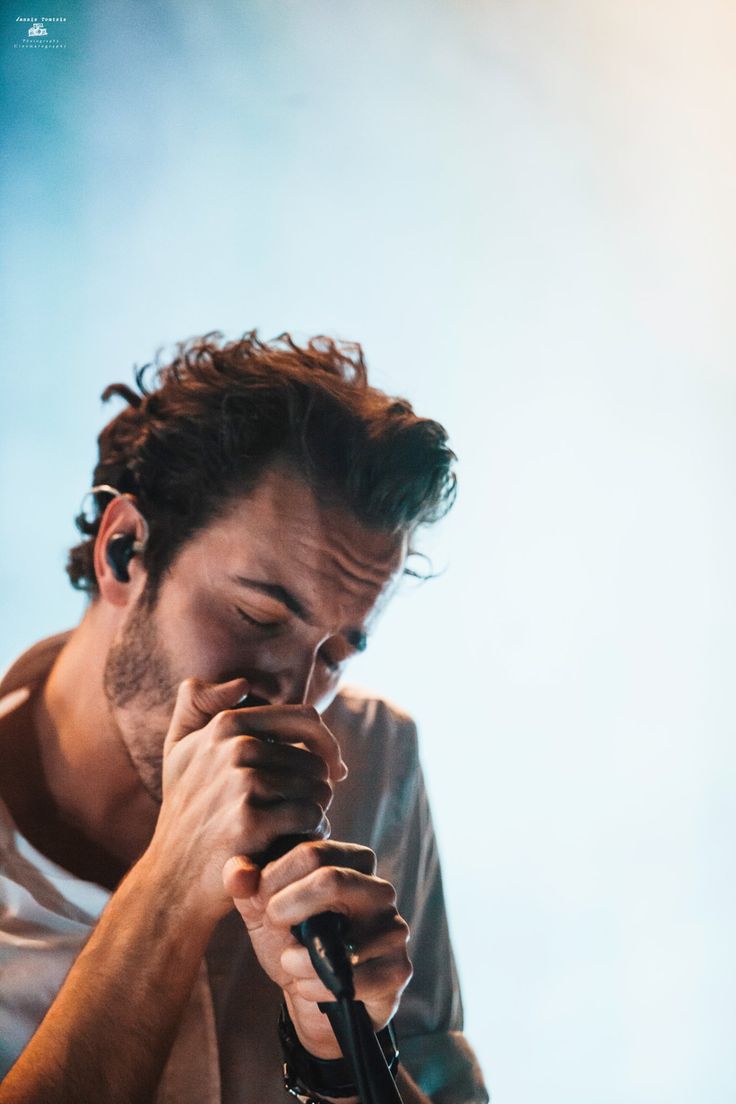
143 741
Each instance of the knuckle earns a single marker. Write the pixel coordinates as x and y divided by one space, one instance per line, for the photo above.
222 724
403 930
324 853
237 750
349 856
331 879
370 858
406 970
189 688
385 895
310 854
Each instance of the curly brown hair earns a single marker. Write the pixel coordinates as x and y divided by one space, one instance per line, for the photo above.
220 412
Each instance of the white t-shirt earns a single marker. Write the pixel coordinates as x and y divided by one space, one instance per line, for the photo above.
227 1049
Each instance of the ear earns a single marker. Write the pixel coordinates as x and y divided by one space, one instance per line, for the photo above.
120 517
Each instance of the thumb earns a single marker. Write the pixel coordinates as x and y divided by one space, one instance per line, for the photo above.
240 879
198 701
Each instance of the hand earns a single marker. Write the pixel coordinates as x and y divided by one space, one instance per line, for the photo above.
235 780
312 878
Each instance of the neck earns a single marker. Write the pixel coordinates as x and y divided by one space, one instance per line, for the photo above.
87 771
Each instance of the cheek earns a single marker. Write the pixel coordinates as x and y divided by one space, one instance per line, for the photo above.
208 645
201 643
219 654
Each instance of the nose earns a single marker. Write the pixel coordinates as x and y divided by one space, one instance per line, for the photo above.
293 683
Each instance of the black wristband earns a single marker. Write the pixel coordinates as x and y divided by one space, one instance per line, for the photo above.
308 1077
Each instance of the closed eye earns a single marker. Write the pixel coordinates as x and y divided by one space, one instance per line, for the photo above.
254 620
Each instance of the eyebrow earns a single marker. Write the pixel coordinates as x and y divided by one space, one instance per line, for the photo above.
355 637
281 594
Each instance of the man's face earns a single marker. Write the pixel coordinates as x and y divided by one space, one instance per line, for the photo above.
280 590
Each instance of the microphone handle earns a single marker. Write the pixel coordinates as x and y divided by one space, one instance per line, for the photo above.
324 937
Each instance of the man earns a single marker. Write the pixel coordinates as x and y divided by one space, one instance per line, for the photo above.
253 514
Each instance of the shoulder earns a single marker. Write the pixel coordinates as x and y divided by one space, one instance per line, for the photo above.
379 744
20 775
361 717
33 665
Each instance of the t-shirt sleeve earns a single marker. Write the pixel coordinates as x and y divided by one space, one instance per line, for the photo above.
383 803
429 1023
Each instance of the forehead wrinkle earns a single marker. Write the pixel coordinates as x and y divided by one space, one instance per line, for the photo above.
345 553
337 594
375 561
336 568
354 582
359 603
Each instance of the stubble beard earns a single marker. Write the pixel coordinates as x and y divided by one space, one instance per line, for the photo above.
140 686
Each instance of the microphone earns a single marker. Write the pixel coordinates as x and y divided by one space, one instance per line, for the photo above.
323 936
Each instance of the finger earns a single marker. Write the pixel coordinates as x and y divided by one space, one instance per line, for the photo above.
198 701
312 856
390 942
359 896
370 936
302 818
265 788
240 877
289 724
252 751
380 979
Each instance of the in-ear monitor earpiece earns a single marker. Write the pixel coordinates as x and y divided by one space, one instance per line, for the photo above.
121 548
